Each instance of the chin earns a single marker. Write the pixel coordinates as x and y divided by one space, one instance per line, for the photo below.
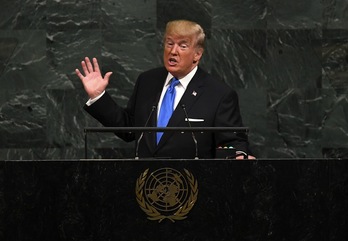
171 69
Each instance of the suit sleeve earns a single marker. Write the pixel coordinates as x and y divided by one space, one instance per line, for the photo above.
110 114
228 115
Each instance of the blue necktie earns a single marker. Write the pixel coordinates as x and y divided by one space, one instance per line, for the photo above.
167 107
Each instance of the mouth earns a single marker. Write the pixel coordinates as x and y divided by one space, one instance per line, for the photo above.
172 61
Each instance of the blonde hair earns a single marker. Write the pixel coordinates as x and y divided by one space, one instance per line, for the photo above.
186 28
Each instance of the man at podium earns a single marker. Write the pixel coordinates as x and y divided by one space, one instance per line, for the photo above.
179 94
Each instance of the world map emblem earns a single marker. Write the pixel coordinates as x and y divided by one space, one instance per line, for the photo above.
166 193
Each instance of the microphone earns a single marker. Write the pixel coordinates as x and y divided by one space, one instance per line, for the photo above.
193 134
142 133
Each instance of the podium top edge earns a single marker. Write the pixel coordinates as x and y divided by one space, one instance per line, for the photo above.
258 160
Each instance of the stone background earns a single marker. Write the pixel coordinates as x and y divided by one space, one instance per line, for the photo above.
288 61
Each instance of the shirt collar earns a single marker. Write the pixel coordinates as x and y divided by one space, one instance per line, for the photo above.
183 81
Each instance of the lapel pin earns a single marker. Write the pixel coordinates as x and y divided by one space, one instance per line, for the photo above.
194 93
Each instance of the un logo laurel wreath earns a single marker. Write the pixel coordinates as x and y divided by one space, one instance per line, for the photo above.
169 187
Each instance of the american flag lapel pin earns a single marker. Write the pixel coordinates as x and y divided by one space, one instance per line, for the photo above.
194 93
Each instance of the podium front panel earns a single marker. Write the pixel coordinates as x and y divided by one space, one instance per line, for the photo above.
140 200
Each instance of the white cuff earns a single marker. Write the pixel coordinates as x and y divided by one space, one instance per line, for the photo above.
240 153
91 101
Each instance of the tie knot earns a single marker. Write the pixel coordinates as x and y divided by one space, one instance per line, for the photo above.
174 82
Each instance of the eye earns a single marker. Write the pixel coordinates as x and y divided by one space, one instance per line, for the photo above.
183 46
169 44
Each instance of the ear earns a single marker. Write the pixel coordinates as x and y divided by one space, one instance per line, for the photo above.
198 55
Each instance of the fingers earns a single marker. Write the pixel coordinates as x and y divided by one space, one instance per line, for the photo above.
88 68
77 71
84 67
89 65
242 157
96 65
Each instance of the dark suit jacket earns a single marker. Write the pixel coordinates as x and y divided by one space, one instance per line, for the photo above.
205 99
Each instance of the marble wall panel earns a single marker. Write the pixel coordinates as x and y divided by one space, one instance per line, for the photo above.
2 200
27 14
286 59
240 14
334 14
294 14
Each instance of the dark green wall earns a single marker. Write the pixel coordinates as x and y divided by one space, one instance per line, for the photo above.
286 59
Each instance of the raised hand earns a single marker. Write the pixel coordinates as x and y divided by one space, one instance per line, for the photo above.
92 80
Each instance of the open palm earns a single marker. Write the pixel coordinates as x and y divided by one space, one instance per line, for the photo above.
92 79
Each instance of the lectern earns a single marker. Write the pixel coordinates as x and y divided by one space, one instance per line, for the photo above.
280 199
174 199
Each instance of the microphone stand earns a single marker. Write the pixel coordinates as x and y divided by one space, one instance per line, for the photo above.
193 135
142 134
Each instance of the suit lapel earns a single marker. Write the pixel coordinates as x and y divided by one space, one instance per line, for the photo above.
155 91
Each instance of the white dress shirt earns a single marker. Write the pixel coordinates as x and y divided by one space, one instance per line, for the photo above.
180 88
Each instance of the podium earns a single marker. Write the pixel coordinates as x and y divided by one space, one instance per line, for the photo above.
279 199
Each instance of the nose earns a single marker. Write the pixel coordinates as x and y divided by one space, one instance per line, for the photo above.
174 48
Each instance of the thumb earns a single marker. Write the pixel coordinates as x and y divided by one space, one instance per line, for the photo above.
107 76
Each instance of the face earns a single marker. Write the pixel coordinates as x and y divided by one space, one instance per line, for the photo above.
181 54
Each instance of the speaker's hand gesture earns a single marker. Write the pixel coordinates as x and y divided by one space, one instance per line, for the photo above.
92 80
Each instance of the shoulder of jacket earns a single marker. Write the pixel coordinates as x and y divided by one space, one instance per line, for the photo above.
154 72
213 82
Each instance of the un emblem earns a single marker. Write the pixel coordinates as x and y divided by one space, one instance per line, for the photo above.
166 193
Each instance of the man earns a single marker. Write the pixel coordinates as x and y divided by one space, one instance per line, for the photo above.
207 102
